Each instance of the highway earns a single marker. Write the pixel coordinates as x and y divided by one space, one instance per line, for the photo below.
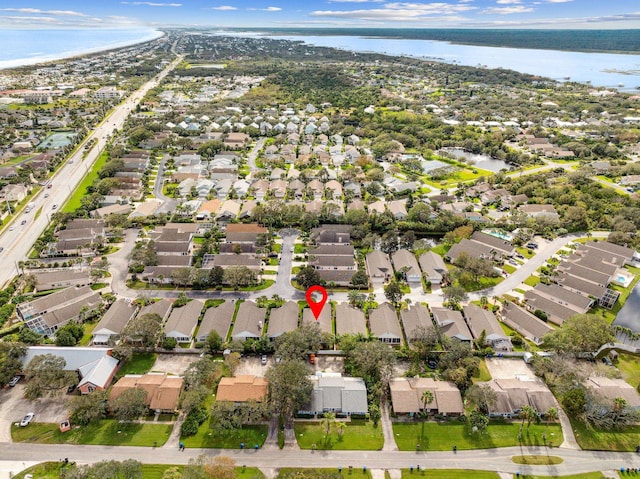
17 240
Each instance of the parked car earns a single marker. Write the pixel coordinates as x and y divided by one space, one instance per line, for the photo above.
49 186
27 419
71 388
14 381
23 222
532 245
54 206
46 195
1 249
263 359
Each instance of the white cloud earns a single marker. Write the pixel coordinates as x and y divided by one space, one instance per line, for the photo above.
152 4
38 11
508 2
403 12
507 10
268 9
559 1
224 8
363 1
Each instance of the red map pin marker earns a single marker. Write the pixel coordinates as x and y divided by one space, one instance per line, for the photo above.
316 307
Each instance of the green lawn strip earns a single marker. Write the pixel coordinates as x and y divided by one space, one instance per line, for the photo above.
527 253
139 363
107 432
624 439
299 473
537 460
44 470
442 436
630 368
483 283
483 373
74 202
584 475
210 437
155 471
509 268
86 337
299 248
449 474
441 249
358 435
532 280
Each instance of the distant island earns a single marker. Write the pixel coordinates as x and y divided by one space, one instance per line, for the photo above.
610 41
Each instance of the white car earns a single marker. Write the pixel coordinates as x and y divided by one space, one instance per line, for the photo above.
27 419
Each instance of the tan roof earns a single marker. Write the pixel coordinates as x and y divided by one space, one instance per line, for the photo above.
242 389
614 388
211 206
414 317
349 320
406 395
245 228
163 391
217 319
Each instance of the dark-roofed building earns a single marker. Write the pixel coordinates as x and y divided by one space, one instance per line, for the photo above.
520 320
433 267
108 330
479 320
283 319
228 260
161 308
48 313
244 233
556 312
470 248
452 323
503 246
584 273
576 301
339 277
182 321
416 316
379 267
405 262
631 256
384 324
249 321
332 234
217 319
350 320
406 396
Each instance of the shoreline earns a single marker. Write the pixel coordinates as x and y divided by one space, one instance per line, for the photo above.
68 55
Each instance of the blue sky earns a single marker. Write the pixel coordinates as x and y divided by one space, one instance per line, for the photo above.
325 13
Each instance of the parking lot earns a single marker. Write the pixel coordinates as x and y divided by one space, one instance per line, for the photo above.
174 363
506 368
13 407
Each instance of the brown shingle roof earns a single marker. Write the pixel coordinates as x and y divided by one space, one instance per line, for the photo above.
242 389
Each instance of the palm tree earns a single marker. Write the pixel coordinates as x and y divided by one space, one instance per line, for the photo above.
353 296
527 413
327 421
426 398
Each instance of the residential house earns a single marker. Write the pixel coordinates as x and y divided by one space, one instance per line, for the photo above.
379 267
525 323
501 246
407 396
242 389
218 319
14 192
229 210
398 209
225 261
512 394
482 320
540 211
109 328
415 317
451 323
46 280
283 319
48 313
334 190
95 366
332 234
350 320
383 322
332 392
610 389
182 321
161 307
472 249
244 233
237 140
249 322
324 320
405 262
433 267
163 391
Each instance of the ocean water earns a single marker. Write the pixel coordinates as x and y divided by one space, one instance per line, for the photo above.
27 47
619 71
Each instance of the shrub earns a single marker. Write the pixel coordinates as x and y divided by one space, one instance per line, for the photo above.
169 343
193 421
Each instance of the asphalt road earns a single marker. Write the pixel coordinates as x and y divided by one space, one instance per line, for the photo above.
484 459
18 243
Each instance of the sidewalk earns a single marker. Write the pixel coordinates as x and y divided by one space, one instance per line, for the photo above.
387 429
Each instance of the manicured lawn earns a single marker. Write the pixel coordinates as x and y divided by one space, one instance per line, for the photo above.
139 363
44 470
586 475
355 473
209 436
483 283
450 474
442 436
625 439
532 280
299 248
537 460
81 191
441 249
107 432
509 268
358 435
155 471
483 373
526 252
630 368
86 337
